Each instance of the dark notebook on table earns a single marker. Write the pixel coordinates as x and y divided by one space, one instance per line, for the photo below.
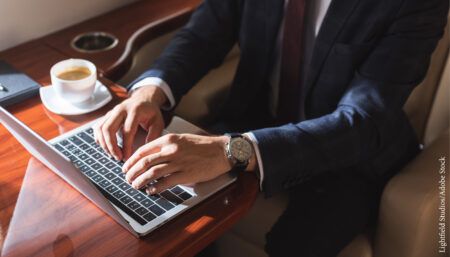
15 86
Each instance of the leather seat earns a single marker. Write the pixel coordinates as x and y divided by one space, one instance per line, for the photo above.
408 216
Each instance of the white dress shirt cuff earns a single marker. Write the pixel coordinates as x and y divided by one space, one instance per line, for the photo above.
252 138
157 82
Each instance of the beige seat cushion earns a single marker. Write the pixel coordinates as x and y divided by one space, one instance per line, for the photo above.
409 214
203 102
421 100
438 121
361 246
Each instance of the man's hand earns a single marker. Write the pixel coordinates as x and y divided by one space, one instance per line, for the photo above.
177 159
141 109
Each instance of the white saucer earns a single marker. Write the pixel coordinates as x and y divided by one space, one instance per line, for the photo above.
56 105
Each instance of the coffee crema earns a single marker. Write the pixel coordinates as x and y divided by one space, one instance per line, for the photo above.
74 73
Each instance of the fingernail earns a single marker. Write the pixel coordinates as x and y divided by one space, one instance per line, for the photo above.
134 185
151 190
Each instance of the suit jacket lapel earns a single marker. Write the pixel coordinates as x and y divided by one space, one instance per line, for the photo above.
332 25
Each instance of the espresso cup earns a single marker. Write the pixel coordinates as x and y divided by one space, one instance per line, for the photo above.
74 80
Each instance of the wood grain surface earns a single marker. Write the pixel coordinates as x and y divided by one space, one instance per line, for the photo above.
133 25
50 218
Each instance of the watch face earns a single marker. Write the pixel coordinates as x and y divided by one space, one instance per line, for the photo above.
241 149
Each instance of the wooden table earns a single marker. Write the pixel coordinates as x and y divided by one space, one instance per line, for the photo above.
64 223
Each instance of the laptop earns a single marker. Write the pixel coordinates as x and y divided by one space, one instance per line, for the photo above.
76 158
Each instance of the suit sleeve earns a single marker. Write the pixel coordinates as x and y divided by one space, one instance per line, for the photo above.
198 47
363 122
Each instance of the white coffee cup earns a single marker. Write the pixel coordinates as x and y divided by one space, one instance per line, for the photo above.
73 91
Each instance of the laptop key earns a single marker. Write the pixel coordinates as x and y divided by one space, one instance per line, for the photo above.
103 160
149 217
64 142
86 169
177 190
171 197
84 147
96 155
138 197
185 195
83 156
141 211
91 151
75 140
70 147
77 152
66 153
110 165
99 148
110 176
89 161
85 137
59 148
147 203
118 194
133 205
153 197
125 186
165 204
105 183
111 189
117 170
72 158
91 174
156 210
96 166
97 178
126 199
78 163
90 131
131 191
117 181
103 171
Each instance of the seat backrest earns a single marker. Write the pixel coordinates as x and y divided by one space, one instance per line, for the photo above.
439 118
420 103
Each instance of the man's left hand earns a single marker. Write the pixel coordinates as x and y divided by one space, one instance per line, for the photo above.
177 159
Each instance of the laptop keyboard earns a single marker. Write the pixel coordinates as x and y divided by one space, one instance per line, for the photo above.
106 174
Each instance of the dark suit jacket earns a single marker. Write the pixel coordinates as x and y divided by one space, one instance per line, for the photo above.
368 57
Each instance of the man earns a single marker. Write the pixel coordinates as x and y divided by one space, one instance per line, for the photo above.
320 97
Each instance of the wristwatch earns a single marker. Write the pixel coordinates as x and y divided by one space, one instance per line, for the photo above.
238 150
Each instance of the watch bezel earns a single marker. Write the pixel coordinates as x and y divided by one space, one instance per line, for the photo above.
234 142
235 162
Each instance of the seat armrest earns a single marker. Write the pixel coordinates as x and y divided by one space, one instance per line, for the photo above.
409 212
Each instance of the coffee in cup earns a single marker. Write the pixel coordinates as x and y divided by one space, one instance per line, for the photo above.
75 73
74 80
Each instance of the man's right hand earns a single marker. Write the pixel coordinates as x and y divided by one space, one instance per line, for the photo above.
142 108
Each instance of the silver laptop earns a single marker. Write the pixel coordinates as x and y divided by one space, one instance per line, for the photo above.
76 158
